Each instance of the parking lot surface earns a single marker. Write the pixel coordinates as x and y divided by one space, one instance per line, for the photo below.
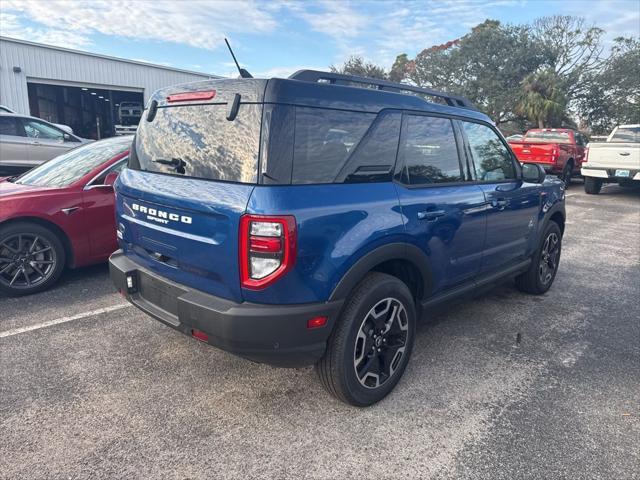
93 388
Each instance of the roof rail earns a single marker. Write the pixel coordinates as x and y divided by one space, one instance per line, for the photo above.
316 76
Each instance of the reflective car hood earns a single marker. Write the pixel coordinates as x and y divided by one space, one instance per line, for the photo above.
16 189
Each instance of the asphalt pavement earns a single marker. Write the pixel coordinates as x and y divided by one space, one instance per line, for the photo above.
93 388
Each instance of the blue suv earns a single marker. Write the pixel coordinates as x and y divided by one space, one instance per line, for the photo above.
311 220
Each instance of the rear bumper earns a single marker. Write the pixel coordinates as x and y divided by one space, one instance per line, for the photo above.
272 334
610 173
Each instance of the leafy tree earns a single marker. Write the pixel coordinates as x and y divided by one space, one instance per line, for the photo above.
399 68
613 94
571 50
487 66
356 65
542 100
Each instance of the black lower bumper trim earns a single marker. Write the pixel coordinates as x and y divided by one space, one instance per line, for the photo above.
272 334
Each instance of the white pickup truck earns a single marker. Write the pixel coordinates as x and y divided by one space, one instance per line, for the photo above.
615 161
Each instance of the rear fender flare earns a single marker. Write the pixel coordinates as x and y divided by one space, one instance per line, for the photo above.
370 260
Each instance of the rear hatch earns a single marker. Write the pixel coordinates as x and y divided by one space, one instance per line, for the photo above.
190 176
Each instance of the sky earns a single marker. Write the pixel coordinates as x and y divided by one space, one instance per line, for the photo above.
278 37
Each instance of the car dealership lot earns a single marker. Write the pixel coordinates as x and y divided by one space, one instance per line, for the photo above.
107 392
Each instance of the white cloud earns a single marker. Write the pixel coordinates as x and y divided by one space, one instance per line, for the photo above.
284 72
196 23
11 26
336 19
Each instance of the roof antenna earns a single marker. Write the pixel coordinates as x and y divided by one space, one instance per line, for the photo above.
243 72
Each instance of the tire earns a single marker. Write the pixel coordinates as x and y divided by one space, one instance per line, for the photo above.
592 185
544 264
343 369
32 258
567 173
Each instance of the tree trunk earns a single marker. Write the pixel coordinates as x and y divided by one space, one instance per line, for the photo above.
540 123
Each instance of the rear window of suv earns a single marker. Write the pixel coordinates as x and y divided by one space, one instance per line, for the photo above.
198 141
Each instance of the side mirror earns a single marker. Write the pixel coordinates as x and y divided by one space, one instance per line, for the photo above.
66 137
533 173
111 178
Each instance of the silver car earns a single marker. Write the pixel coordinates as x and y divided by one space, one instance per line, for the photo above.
29 141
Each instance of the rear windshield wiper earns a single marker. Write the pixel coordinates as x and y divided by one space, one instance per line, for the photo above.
176 163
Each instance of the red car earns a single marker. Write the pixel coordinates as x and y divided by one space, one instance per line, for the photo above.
59 214
558 150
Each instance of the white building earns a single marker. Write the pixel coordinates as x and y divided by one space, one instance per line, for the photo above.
79 89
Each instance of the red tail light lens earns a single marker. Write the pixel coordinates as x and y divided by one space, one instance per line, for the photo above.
267 249
191 96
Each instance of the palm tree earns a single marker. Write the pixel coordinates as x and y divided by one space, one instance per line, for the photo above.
543 101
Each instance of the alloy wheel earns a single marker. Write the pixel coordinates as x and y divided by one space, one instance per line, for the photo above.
26 260
549 258
381 342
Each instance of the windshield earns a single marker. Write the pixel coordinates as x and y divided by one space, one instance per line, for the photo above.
626 135
198 141
70 167
547 137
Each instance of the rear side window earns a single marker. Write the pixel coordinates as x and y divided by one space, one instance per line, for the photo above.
374 158
323 141
491 157
428 151
626 135
198 141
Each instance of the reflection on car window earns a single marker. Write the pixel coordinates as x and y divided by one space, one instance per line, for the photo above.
491 157
73 165
428 151
323 141
37 129
198 141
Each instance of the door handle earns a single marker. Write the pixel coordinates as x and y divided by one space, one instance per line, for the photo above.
499 203
70 210
431 215
624 154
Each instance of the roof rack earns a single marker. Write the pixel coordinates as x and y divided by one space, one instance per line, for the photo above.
316 76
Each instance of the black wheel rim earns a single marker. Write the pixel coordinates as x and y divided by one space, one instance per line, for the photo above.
26 260
381 343
549 258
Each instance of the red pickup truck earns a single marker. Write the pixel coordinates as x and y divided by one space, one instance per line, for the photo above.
558 150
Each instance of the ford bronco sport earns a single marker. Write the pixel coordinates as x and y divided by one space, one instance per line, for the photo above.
310 221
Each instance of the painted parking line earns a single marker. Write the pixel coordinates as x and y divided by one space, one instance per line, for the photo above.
79 316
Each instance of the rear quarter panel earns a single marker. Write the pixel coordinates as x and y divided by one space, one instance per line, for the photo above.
337 225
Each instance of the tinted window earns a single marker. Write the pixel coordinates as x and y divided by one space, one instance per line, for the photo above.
626 135
75 164
491 157
374 158
428 151
36 129
199 141
547 137
10 126
323 141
